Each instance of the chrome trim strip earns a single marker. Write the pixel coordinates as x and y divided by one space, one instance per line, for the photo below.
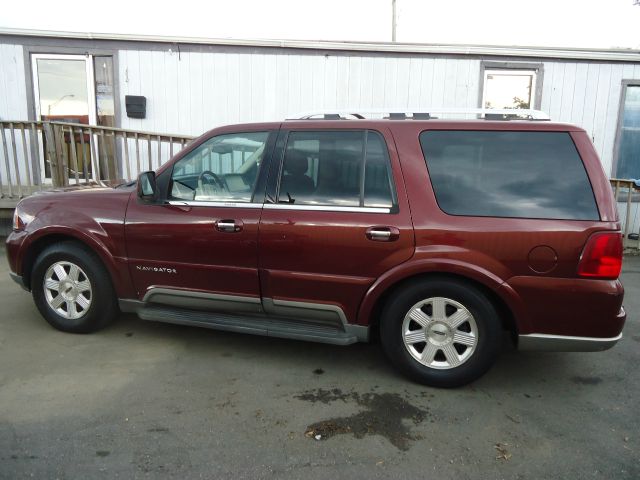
565 343
188 293
189 203
313 310
325 208
279 206
203 300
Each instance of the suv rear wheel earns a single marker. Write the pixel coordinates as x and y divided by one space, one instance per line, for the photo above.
72 288
441 332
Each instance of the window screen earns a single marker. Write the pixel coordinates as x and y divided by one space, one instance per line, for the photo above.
508 174
340 168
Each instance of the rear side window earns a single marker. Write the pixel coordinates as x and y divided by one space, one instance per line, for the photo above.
337 168
508 174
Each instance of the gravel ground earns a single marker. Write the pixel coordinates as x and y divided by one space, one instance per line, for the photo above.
147 400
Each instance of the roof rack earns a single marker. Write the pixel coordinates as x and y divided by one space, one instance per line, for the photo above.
406 113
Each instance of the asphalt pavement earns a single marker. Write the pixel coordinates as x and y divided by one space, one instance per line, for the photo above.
150 400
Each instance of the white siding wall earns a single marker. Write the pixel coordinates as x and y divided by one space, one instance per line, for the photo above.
13 106
588 95
193 92
200 91
13 94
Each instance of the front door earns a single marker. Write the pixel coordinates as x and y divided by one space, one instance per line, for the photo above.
334 223
199 248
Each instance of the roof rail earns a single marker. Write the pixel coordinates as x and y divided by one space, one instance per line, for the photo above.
422 113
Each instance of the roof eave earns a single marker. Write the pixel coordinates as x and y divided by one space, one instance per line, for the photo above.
614 54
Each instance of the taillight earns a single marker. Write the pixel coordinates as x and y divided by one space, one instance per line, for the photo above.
601 256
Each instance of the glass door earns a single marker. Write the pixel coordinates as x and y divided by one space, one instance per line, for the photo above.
628 142
64 92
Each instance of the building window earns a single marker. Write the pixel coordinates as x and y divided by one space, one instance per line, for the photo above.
509 88
511 85
628 141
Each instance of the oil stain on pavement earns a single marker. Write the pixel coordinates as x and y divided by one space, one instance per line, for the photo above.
586 380
383 414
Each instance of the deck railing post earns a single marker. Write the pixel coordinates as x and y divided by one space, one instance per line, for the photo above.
5 152
14 151
37 164
25 153
51 154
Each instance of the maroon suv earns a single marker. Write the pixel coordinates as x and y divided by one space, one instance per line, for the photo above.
435 236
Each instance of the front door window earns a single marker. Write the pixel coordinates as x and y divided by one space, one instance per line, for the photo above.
222 169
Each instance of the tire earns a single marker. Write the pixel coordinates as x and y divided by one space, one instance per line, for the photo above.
83 305
455 315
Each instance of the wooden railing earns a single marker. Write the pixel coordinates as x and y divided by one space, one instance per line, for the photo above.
44 155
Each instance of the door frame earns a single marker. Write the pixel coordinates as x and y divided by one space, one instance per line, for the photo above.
616 145
91 95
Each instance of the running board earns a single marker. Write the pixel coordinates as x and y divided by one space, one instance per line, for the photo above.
267 326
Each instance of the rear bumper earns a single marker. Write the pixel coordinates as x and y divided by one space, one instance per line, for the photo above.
567 343
567 307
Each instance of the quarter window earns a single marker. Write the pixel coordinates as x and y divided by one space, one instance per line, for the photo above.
224 168
508 174
337 168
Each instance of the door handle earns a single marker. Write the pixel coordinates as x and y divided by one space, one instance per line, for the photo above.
229 226
383 234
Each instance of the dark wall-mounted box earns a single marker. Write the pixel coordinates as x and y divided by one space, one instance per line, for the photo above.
136 106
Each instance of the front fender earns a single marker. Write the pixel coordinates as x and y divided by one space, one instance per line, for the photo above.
104 235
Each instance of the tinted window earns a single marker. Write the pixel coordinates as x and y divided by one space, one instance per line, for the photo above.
340 168
224 168
508 174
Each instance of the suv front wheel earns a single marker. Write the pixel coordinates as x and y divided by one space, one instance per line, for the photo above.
440 332
72 288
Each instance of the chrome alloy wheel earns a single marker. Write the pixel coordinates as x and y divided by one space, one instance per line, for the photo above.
67 290
440 333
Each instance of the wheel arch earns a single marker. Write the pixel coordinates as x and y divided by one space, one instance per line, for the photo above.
377 296
49 237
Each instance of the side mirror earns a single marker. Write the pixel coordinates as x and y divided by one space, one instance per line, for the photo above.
147 188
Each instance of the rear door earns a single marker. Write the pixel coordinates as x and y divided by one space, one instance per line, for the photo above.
336 217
